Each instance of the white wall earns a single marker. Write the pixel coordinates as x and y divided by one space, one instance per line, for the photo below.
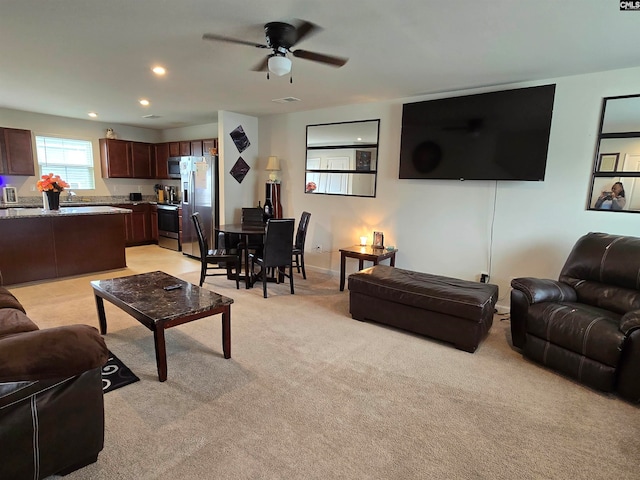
245 194
197 132
451 227
91 130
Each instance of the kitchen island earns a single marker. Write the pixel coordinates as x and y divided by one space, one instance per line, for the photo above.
38 244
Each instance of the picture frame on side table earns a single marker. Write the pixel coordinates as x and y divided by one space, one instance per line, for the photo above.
378 240
10 195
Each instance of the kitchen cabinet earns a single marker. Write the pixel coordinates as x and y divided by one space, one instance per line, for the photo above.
137 225
174 149
185 149
154 223
125 159
207 145
16 152
141 160
196 148
161 159
115 158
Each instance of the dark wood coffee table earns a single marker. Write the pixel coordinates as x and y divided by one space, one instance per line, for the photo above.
144 297
364 253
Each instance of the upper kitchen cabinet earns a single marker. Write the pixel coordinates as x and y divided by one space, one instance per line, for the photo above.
141 160
126 159
161 160
16 152
195 148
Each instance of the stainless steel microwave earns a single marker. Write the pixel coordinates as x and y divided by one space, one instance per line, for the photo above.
173 167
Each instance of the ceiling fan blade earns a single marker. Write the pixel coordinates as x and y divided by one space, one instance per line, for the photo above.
213 36
304 30
319 57
262 66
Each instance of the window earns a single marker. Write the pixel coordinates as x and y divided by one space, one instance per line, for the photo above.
71 159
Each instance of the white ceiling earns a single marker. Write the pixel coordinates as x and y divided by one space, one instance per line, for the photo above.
69 57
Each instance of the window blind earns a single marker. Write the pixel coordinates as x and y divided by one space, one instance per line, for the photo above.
70 158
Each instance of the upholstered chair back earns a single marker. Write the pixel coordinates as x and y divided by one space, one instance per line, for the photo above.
604 270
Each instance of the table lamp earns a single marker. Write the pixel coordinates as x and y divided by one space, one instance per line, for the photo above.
363 241
273 166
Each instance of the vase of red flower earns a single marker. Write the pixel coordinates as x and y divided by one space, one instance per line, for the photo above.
51 185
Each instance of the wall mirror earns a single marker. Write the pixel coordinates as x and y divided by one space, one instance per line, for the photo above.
615 182
342 158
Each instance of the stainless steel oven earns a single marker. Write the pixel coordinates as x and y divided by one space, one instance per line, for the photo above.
168 226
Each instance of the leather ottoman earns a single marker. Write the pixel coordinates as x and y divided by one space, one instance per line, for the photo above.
448 309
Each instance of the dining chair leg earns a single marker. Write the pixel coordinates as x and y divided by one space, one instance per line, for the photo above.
238 267
304 274
264 282
291 277
203 271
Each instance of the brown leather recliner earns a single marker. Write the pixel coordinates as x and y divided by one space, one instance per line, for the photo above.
51 400
586 325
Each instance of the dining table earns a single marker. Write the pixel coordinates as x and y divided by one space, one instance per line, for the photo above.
244 231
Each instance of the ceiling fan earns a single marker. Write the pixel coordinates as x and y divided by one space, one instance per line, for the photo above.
280 37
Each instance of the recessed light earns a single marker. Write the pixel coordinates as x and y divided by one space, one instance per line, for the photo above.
144 102
92 114
158 70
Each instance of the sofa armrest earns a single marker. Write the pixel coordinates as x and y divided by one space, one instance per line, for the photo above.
59 352
629 322
537 290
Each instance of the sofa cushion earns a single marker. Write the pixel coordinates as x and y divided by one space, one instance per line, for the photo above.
14 321
583 329
7 300
50 353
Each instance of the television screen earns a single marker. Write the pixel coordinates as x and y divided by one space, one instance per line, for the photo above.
489 136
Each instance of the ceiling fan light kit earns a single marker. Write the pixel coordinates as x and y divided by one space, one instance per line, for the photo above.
280 37
279 65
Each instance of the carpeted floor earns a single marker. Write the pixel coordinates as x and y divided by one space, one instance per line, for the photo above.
310 393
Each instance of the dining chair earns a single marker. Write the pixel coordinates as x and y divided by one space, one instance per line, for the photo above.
298 246
252 217
276 254
217 258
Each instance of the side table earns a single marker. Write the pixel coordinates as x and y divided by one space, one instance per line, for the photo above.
362 253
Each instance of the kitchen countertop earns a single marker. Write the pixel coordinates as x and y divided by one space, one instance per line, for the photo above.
11 213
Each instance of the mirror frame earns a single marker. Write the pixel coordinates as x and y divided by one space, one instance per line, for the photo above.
360 163
610 163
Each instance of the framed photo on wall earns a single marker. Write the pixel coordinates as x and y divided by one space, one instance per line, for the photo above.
378 240
10 195
608 162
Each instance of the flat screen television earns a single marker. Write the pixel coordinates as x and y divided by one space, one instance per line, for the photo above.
489 136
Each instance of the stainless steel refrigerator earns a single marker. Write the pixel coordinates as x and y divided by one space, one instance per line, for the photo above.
199 183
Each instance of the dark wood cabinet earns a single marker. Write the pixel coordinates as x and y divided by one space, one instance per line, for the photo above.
154 223
196 148
128 159
161 158
141 160
137 225
207 145
115 158
16 152
185 149
174 149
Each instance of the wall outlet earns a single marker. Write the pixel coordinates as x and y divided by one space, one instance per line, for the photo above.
484 277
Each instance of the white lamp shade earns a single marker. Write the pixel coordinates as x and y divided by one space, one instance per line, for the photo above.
273 164
279 65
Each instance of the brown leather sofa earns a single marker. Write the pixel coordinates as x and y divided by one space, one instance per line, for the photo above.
586 325
51 403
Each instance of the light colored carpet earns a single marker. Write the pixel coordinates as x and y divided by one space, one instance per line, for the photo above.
310 393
